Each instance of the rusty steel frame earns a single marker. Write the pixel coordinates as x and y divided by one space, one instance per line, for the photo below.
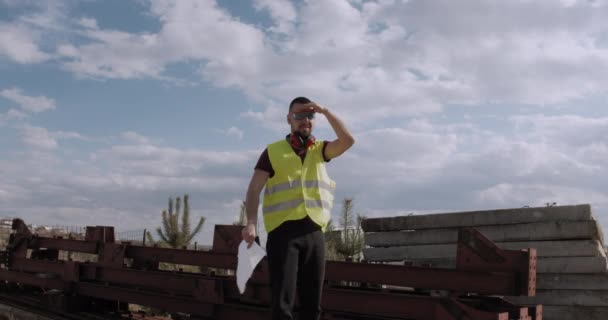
214 291
339 301
482 269
417 277
477 253
469 276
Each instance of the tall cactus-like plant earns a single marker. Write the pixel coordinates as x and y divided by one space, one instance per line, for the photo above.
172 234
332 238
349 241
242 216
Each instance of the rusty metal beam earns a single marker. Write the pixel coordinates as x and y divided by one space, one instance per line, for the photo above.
418 277
33 280
180 256
63 244
170 303
202 288
477 253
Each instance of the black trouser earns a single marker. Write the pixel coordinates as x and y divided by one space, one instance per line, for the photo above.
296 261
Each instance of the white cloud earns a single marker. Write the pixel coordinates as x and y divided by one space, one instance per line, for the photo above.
11 3
43 139
135 137
69 135
12 193
20 44
126 183
372 60
273 117
458 166
38 137
506 194
128 61
283 12
10 115
235 132
573 130
89 23
191 30
23 38
28 103
172 157
46 16
409 147
423 166
401 57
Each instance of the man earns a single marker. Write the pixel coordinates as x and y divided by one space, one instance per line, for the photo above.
297 203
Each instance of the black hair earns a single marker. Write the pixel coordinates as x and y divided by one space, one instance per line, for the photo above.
299 100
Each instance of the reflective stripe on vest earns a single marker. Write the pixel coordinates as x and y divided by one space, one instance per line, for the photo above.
298 183
292 204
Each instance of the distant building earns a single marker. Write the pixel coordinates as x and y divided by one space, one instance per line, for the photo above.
6 223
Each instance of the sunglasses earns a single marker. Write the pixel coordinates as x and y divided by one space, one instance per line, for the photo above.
303 115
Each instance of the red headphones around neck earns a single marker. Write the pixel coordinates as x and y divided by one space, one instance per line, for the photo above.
299 143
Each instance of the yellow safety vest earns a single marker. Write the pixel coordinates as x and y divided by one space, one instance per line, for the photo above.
297 189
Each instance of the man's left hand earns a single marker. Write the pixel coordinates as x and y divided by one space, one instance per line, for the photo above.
313 107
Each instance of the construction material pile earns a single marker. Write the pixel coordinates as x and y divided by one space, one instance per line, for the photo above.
33 274
572 278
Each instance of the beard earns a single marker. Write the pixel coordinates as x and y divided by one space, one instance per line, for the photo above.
304 134
304 131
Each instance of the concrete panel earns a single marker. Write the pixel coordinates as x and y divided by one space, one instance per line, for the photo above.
572 281
582 248
587 298
574 313
538 231
564 265
479 218
581 265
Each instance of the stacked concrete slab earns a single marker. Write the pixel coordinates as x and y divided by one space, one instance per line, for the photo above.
572 274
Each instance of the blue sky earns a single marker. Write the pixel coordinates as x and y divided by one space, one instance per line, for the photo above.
107 108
